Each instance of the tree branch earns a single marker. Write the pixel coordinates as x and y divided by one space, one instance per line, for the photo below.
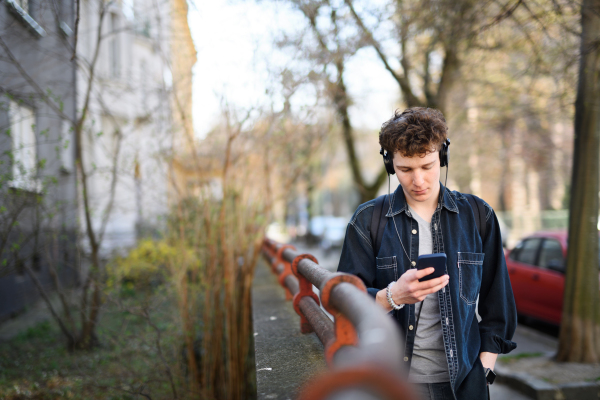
402 80
78 3
498 18
44 295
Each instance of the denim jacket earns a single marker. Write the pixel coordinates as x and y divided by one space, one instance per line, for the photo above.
478 278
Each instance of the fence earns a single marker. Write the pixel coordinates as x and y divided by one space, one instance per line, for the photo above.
362 347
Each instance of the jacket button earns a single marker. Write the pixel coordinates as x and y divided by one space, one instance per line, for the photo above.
414 231
410 327
413 263
405 358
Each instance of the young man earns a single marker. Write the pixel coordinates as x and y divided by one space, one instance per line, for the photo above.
456 324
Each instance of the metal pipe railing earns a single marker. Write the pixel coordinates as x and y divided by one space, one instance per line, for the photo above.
363 347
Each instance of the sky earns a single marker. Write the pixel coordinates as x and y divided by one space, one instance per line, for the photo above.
236 56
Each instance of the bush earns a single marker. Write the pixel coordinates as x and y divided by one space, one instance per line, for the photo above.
144 268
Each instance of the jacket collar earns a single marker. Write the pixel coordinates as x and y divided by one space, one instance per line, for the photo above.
399 204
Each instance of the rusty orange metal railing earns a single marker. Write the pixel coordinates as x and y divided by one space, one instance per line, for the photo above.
363 346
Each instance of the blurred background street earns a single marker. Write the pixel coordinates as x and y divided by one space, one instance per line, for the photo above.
150 150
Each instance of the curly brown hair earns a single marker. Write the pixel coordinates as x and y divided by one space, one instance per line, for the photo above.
415 131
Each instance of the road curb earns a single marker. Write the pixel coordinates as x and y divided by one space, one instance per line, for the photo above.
542 390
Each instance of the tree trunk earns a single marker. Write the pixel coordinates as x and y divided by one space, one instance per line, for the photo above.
342 102
580 328
505 195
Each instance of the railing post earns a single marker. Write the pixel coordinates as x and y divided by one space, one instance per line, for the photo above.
345 334
287 269
306 289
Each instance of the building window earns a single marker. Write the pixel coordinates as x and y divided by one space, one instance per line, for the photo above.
114 56
21 8
24 148
129 9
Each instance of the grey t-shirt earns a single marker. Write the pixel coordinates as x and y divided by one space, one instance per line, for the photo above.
429 363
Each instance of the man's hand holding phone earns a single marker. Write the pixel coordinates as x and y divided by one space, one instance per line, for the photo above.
408 289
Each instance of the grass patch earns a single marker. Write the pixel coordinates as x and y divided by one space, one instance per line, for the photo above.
516 357
37 365
39 331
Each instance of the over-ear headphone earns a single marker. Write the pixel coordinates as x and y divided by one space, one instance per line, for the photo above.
445 153
389 164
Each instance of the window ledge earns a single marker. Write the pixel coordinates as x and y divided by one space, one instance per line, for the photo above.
66 29
30 185
26 18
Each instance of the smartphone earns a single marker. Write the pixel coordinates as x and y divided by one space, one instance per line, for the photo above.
435 260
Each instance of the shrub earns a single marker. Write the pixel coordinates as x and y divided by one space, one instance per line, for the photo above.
145 267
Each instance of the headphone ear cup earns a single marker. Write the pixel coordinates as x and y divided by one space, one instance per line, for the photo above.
387 161
389 165
445 154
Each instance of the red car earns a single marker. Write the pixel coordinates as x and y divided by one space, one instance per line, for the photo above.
537 273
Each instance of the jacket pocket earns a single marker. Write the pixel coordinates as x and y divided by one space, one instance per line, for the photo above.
387 269
470 267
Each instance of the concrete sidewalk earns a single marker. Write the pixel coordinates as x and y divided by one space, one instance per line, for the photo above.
531 369
285 358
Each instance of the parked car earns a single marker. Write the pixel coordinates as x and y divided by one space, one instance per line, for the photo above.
536 266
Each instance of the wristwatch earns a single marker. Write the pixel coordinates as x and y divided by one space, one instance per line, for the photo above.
490 376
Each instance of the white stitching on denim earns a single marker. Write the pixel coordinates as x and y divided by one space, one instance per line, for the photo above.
385 259
460 286
361 210
411 239
405 253
362 235
441 233
479 257
446 312
466 258
390 212
489 211
451 197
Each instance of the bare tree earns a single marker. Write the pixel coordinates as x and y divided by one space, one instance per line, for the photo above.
431 50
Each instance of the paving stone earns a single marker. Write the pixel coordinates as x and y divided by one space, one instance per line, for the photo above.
285 358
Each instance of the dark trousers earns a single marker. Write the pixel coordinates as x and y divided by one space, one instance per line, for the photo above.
434 391
437 391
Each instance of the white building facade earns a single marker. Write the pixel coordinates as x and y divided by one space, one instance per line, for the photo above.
128 136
